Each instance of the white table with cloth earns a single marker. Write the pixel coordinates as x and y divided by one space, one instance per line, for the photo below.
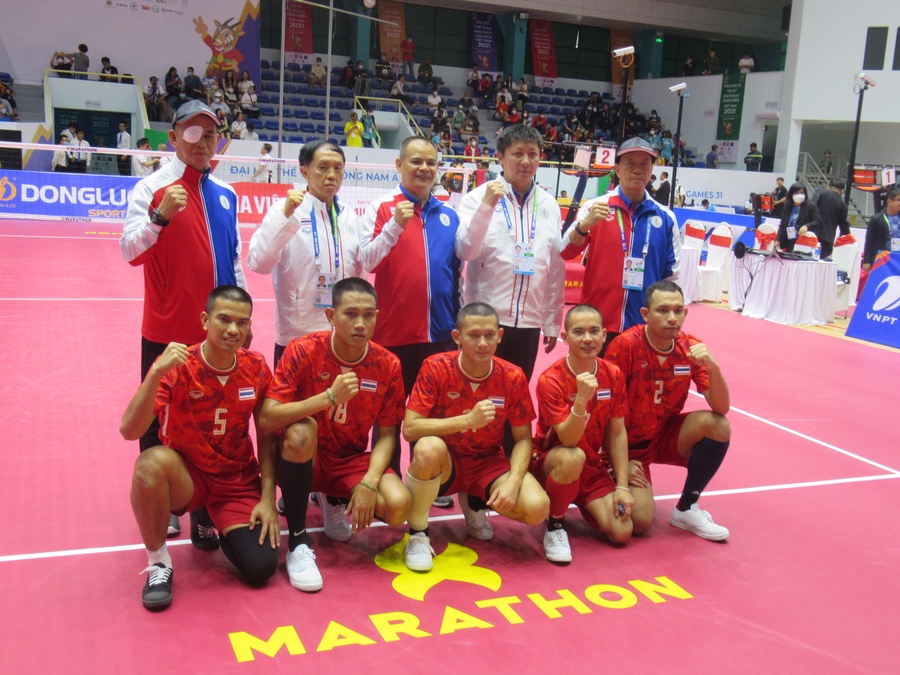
783 291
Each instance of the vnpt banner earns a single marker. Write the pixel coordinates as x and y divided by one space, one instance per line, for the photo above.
484 42
64 196
543 53
298 34
877 314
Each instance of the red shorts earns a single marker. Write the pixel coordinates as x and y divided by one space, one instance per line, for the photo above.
594 482
337 476
474 475
230 500
663 449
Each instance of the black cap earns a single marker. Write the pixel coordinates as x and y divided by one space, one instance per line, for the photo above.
636 144
837 183
188 111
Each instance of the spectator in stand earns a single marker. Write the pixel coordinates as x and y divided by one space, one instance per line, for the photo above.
193 86
109 73
654 121
155 100
60 163
397 91
238 126
231 100
485 88
8 101
353 130
667 146
370 129
470 129
175 95
249 102
317 75
143 164
245 82
383 69
362 89
210 84
218 103
440 119
80 62
223 125
570 126
408 52
713 66
446 141
228 81
501 111
472 150
521 94
249 134
348 75
458 117
358 70
589 111
473 80
746 64
509 84
688 68
525 117
426 74
434 100
468 104
61 62
123 142
706 206
712 158
551 142
539 122
654 140
504 95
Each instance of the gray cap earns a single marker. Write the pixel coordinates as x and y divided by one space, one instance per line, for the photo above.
188 111
636 144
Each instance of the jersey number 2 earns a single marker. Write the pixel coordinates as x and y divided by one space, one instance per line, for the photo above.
657 395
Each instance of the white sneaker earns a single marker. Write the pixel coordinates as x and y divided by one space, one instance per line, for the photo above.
336 525
556 546
302 570
477 525
419 553
699 522
174 528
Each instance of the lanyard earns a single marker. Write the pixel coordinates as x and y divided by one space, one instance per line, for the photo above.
335 234
509 223
646 248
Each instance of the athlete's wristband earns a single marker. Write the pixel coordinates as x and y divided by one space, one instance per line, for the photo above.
373 488
622 487
578 231
330 396
584 414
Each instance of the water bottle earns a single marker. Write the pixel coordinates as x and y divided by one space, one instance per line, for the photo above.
818 252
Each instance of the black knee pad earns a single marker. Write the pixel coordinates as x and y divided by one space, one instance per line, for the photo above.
256 563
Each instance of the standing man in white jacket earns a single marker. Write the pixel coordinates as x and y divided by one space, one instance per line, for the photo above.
509 236
307 241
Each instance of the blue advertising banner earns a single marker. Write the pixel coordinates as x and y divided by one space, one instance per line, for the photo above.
64 196
484 42
877 314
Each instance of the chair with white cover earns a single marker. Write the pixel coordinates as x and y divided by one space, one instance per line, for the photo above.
694 234
806 243
766 236
712 275
847 256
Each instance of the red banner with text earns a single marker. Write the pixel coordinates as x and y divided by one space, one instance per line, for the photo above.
543 54
392 35
298 36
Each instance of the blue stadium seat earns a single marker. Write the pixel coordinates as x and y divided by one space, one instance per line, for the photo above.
556 111
337 129
271 125
301 114
452 103
276 65
321 129
311 102
299 78
532 109
558 100
270 85
303 89
335 116
294 100
267 111
583 93
295 138
268 75
547 91
264 64
542 109
307 127
343 104
292 66
570 102
263 97
559 91
445 91
319 91
291 126
425 122
317 114
571 92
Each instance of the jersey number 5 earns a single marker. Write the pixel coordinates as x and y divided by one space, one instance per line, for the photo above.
219 428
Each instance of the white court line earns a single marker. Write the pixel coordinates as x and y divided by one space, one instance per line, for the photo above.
809 438
456 516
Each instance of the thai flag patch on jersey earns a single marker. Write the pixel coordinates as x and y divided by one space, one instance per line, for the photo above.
368 385
498 401
604 394
682 370
246 394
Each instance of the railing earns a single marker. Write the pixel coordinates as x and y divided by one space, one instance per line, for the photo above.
813 178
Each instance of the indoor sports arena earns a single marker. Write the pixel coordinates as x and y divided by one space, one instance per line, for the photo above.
127 126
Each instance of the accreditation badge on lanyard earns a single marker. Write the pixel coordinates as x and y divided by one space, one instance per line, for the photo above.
895 241
325 281
633 267
523 251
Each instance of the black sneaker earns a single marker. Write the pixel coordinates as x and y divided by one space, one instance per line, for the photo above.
279 506
203 532
444 502
157 593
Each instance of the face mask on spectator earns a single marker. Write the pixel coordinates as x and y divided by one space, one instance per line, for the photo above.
799 198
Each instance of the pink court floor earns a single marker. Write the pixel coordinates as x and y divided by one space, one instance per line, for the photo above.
809 489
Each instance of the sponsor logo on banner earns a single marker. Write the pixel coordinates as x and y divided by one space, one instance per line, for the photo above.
66 196
877 314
